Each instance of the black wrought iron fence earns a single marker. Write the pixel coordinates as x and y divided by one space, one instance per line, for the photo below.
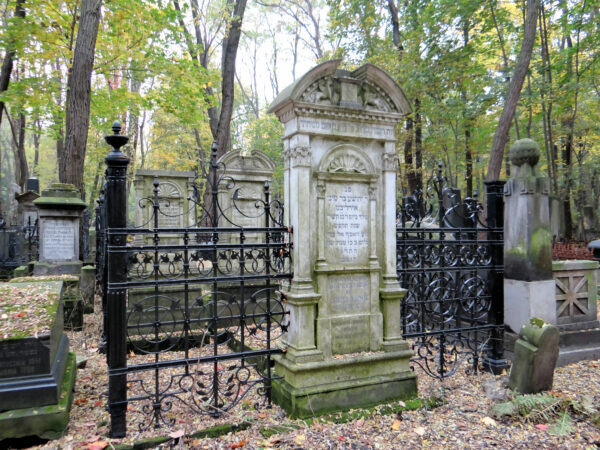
18 246
451 263
184 297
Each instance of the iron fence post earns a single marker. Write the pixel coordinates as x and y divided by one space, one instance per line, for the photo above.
116 219
494 360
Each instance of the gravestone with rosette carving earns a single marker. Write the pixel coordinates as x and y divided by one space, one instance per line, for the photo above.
241 198
175 209
344 343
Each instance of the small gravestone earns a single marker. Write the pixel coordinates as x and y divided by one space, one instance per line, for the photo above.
60 208
87 284
27 212
536 353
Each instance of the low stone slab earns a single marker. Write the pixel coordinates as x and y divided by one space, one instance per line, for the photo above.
536 353
73 306
47 422
33 351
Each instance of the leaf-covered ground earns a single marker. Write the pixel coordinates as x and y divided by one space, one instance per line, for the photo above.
464 420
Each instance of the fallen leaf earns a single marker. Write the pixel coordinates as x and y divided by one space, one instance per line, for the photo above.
98 445
489 421
360 422
240 444
420 431
542 426
300 439
396 425
262 415
402 404
176 434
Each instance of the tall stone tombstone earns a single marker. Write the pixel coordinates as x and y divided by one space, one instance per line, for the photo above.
59 210
241 204
344 343
529 289
174 191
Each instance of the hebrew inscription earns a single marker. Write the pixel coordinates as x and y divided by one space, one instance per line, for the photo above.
348 294
343 128
58 240
347 223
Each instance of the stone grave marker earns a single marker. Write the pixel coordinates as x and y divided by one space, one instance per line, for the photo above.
344 343
242 204
59 209
529 289
174 190
536 353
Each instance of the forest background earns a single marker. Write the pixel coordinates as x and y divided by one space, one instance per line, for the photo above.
179 74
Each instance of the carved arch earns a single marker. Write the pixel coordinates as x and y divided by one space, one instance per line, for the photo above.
167 189
347 159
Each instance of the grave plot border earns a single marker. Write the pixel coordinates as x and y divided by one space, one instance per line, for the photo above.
220 304
451 263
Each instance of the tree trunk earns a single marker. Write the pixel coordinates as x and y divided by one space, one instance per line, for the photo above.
20 154
230 46
512 98
37 135
78 94
7 63
411 176
418 143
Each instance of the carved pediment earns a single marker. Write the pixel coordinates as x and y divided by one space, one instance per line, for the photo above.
364 95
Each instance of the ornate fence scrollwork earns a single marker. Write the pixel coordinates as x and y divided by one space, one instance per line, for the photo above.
450 261
193 293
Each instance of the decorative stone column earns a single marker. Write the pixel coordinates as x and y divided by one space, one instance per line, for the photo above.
344 343
528 285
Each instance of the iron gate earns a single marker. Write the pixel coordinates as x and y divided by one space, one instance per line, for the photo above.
179 297
451 263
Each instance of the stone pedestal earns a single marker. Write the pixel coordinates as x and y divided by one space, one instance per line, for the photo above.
59 210
528 284
344 344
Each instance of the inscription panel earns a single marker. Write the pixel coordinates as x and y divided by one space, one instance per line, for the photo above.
170 214
348 294
350 334
22 358
346 223
58 240
343 128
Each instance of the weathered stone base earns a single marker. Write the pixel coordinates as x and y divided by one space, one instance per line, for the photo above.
63 268
526 299
47 422
314 388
